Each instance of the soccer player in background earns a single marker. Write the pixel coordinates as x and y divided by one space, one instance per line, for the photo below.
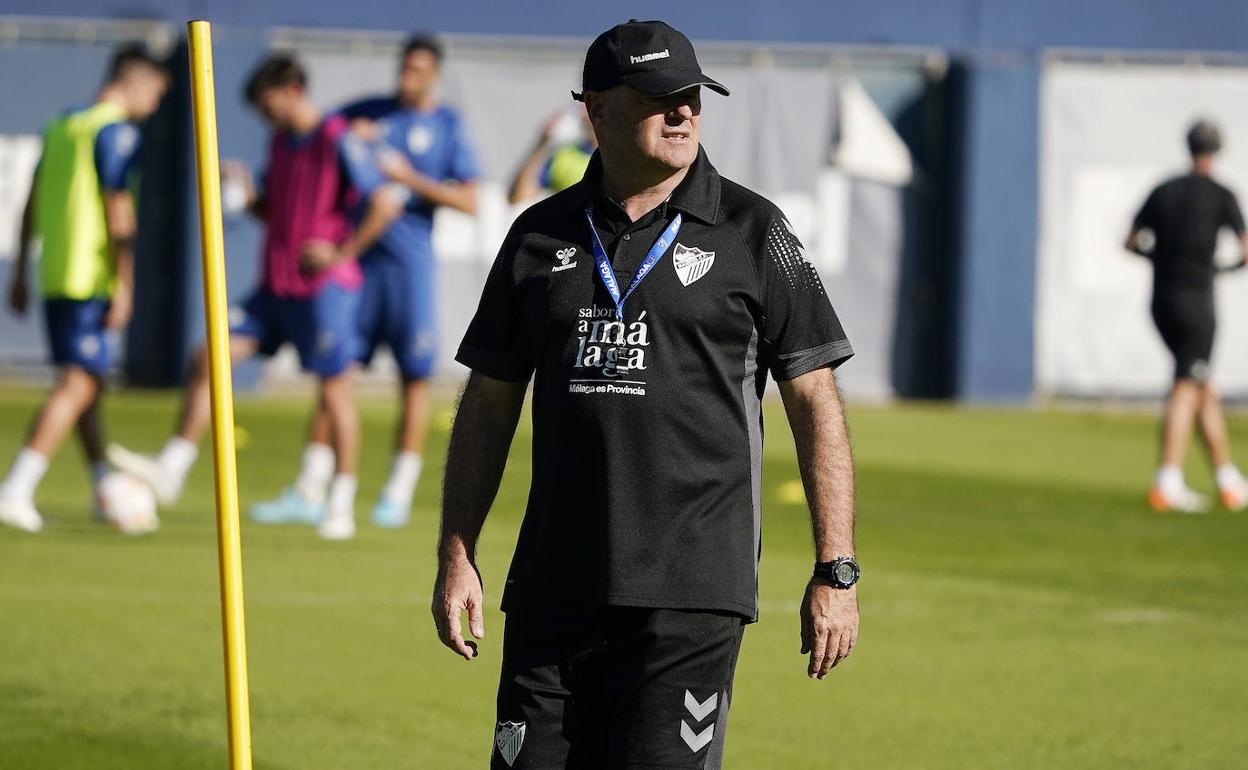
420 147
559 158
1184 216
83 210
309 287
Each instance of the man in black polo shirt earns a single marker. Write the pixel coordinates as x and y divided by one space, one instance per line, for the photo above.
1184 216
647 302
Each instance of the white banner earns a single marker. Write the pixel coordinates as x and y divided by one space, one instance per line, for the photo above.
19 153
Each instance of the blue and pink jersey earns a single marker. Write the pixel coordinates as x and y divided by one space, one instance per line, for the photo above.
308 196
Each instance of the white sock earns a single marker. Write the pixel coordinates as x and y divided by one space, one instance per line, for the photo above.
24 475
1229 477
316 469
177 458
1170 479
99 470
404 474
341 496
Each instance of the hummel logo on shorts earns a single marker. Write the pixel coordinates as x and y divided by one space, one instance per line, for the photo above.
696 741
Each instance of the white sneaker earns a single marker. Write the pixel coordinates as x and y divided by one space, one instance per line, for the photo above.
19 514
337 526
1182 500
147 468
1234 494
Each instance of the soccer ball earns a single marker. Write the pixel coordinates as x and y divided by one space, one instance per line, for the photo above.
127 503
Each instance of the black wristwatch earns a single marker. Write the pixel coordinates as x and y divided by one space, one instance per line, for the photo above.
841 572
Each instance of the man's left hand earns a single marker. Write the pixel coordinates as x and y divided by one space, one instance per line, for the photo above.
829 626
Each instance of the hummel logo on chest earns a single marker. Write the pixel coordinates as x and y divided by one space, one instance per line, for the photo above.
565 259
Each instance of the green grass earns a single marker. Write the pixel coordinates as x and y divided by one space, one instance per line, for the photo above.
1021 609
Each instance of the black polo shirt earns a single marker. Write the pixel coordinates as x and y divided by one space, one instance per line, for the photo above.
646 482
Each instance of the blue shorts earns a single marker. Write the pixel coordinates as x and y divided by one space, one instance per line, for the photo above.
322 328
76 334
398 308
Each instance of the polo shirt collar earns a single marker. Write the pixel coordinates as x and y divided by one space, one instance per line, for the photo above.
697 194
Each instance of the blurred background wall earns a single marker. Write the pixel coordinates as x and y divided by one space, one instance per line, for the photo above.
961 171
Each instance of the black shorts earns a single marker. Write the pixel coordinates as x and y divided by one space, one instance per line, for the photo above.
615 688
1186 321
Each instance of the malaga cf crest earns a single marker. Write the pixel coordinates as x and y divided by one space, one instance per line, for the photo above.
691 264
509 737
419 139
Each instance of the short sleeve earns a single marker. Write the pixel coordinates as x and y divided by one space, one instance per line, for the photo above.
358 164
116 146
1233 217
463 159
1146 217
497 343
801 331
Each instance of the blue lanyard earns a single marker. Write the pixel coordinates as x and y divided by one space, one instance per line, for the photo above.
604 263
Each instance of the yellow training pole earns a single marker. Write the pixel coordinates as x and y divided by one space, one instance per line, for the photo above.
229 550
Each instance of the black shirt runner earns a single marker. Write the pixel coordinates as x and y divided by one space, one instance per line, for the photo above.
646 471
1185 215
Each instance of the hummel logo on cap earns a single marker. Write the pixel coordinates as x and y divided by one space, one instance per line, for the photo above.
649 56
645 57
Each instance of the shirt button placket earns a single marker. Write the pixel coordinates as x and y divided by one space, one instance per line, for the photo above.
625 253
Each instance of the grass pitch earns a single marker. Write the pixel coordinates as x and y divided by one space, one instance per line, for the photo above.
1022 608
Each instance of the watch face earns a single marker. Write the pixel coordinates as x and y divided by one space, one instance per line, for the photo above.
846 573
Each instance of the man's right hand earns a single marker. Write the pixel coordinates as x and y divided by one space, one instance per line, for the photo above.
19 297
458 588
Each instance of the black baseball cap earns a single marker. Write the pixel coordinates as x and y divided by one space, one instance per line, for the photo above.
648 56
